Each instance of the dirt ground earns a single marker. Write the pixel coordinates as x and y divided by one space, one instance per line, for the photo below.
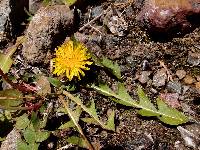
137 52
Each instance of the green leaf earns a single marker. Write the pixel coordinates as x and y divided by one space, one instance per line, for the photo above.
42 136
5 59
55 82
67 125
69 2
164 113
112 66
170 115
30 135
5 62
111 120
73 117
2 139
90 120
91 110
22 122
21 145
10 98
148 109
76 114
77 141
121 97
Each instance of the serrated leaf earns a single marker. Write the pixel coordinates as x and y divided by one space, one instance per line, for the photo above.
122 92
91 110
69 124
21 145
148 109
170 115
77 141
30 135
111 120
74 119
22 122
120 97
164 113
112 66
90 120
10 98
42 136
55 82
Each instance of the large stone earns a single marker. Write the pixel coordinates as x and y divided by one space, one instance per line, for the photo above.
166 16
47 29
11 16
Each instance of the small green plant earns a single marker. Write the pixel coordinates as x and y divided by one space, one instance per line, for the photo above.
32 127
32 132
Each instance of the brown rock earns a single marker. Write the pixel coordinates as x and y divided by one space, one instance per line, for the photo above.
169 15
49 26
197 84
189 79
181 74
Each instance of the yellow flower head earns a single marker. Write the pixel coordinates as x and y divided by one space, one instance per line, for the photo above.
71 59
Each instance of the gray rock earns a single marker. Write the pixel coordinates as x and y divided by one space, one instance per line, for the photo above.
34 5
160 78
11 16
174 87
47 29
193 59
96 11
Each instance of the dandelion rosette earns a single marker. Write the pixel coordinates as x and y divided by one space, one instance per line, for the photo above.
71 60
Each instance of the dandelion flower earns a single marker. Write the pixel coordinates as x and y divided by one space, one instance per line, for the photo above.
71 60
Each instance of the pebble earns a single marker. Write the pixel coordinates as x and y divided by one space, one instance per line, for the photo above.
193 59
189 79
167 15
96 11
174 86
181 74
171 99
144 77
145 65
197 85
160 78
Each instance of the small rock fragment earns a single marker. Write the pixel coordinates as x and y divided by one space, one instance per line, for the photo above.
34 5
171 15
197 85
115 22
174 87
160 78
190 135
171 99
193 59
48 27
189 79
145 65
181 74
144 77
